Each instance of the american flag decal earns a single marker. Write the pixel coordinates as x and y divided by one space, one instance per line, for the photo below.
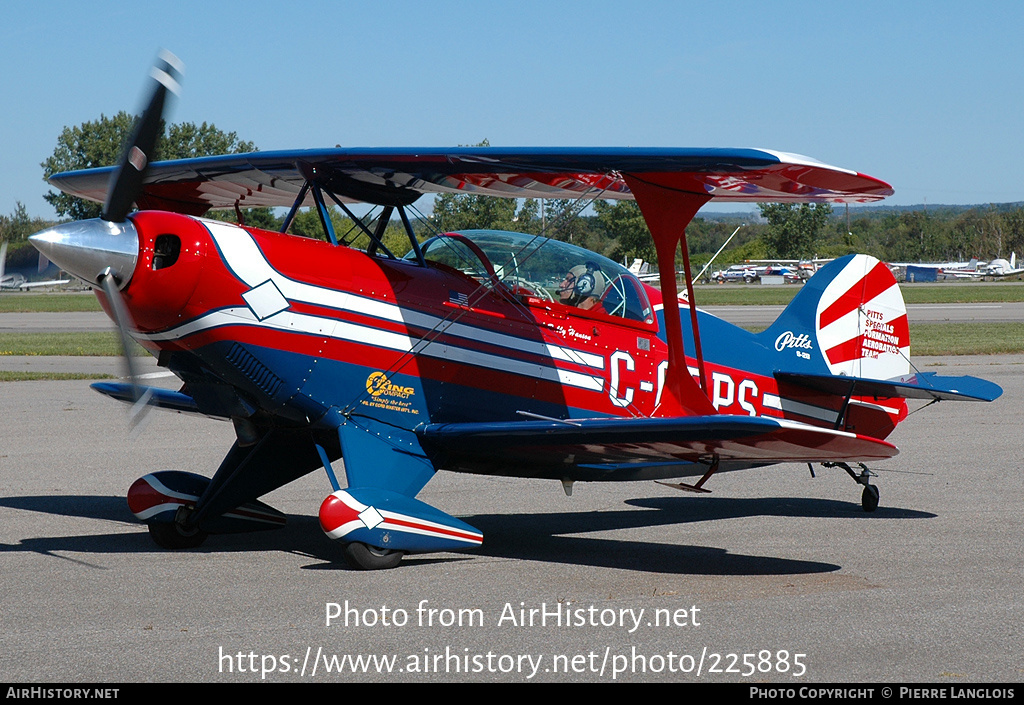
458 298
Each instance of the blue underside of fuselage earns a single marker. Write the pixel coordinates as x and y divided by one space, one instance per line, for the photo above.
318 390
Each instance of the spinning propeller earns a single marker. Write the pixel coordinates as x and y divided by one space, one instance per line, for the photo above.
103 251
126 182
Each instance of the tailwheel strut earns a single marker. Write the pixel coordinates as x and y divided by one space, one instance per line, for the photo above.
869 497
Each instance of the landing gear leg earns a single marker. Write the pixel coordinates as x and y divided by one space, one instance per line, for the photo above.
869 497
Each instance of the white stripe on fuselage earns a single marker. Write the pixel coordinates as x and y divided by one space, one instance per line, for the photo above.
247 262
245 259
367 335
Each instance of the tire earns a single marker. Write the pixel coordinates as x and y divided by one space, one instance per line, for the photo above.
170 536
363 557
869 498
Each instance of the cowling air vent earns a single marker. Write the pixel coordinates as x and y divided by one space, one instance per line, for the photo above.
254 370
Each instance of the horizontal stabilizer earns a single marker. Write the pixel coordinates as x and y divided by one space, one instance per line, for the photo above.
922 385
603 448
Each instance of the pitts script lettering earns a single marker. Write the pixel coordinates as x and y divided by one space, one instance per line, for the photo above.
788 340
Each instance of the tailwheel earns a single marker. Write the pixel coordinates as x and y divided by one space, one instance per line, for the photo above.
363 557
175 537
869 498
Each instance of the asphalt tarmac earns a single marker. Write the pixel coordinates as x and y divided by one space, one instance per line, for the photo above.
774 577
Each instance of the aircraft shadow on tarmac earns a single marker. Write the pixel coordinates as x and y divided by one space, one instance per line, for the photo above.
546 537
555 537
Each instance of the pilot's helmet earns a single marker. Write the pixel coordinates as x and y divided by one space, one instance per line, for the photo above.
588 281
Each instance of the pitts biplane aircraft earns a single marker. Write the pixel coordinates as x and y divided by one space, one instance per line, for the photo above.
479 352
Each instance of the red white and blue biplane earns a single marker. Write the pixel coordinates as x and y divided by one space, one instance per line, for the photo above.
479 352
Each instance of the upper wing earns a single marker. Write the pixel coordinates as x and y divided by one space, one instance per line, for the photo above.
622 448
399 176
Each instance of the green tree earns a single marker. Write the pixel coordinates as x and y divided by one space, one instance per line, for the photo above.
253 217
467 212
17 226
793 229
624 221
307 224
917 236
100 142
1015 230
185 140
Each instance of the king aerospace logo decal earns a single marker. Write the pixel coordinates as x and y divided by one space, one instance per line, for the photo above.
384 394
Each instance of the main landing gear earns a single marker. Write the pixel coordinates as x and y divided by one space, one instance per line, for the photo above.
364 557
869 497
167 500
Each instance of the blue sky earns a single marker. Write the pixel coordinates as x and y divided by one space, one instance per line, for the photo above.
928 96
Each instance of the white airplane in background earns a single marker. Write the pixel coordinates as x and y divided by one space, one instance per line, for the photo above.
799 268
974 269
12 281
1001 268
942 270
642 271
18 281
964 270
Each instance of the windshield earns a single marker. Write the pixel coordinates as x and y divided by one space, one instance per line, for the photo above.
549 270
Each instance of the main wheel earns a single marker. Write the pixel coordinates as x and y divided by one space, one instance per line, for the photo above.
171 536
869 498
363 557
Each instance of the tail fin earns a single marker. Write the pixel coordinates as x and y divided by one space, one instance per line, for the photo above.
849 319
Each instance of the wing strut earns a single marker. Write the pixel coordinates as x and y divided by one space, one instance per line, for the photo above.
295 207
325 215
668 208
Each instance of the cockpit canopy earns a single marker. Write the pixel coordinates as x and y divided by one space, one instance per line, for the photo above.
537 269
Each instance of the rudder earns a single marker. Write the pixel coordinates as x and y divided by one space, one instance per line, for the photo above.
854 315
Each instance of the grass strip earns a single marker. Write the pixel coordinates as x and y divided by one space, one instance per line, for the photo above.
99 343
966 338
759 295
13 376
11 302
707 295
959 338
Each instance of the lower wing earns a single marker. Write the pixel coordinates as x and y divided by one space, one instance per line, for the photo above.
638 448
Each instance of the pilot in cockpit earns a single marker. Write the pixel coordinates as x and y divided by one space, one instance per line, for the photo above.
583 287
